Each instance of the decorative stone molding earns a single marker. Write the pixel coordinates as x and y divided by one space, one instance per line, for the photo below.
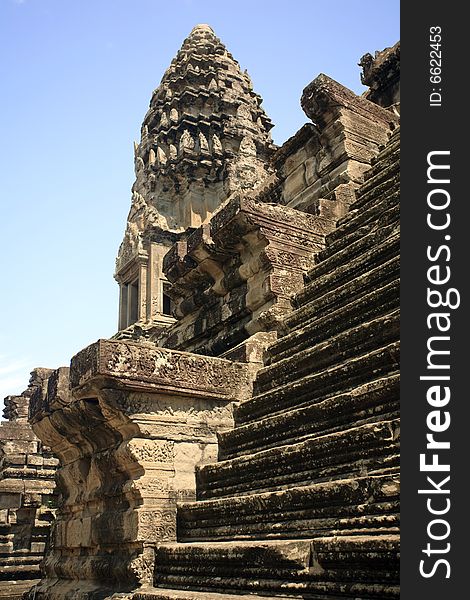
320 168
129 429
234 276
131 364
381 73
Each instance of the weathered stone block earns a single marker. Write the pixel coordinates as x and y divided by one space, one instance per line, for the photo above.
137 422
23 484
10 500
348 135
148 365
248 260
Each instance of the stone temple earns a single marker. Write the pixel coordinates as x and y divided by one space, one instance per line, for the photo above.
238 436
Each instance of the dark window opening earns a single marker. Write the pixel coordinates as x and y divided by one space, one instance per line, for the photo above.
134 306
167 301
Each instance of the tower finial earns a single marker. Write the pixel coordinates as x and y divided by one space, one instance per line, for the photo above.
202 27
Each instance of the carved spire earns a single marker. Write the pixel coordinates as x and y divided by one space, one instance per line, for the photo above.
204 137
200 118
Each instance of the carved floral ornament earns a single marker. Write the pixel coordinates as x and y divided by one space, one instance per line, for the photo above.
157 525
151 450
216 144
141 567
247 146
161 156
126 360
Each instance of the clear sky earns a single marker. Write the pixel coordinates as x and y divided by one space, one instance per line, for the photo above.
76 79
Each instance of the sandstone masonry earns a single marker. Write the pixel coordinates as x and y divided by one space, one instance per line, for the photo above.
27 494
238 437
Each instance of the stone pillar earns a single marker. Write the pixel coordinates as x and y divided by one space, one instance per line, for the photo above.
153 280
137 422
129 303
142 292
122 306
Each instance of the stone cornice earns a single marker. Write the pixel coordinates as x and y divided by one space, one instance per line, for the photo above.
325 96
147 367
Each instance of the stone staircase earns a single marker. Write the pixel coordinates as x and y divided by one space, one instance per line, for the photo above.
304 501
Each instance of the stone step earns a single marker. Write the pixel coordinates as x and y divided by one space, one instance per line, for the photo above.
389 216
362 256
349 304
370 201
381 182
316 387
349 339
372 401
25 558
377 214
162 594
347 291
343 507
330 567
311 590
375 198
380 214
343 252
267 557
390 153
14 590
21 571
385 175
368 449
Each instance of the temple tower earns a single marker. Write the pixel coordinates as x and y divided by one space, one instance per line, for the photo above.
204 137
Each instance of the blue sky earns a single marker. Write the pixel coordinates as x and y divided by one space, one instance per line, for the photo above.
76 81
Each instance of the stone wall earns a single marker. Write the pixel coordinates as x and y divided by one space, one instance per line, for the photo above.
27 494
